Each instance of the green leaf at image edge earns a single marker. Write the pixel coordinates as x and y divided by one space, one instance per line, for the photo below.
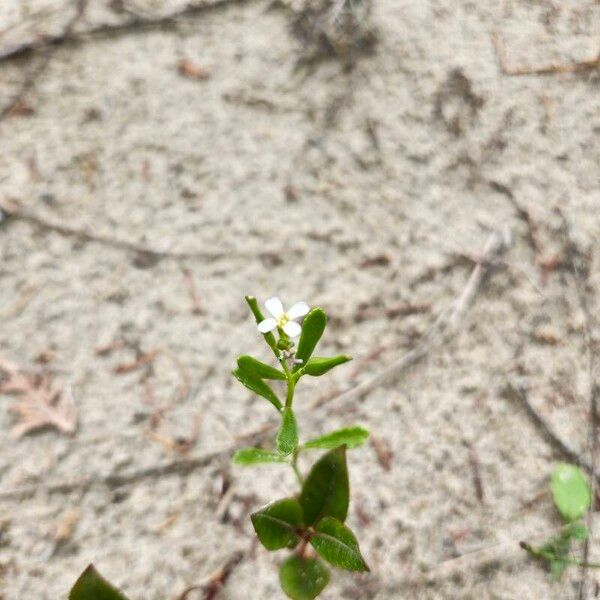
303 578
92 586
258 386
313 327
571 491
257 456
276 523
287 436
351 437
259 369
337 545
326 491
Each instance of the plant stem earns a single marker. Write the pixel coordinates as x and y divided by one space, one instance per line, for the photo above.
294 464
546 555
291 386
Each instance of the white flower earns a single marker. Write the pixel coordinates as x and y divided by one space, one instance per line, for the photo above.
283 319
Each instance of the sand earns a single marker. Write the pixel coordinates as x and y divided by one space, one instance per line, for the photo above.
361 182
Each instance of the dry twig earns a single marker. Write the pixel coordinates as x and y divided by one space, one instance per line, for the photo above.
191 283
214 584
179 466
476 470
518 392
17 212
583 66
135 22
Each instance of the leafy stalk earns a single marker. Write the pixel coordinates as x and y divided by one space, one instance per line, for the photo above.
316 515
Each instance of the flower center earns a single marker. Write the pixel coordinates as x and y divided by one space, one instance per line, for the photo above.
283 320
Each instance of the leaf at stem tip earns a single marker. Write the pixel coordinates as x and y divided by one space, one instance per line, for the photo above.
337 545
303 578
571 491
326 491
258 315
257 456
351 437
287 436
92 586
313 327
258 386
276 523
319 365
259 369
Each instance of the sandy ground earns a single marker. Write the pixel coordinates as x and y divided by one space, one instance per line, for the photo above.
357 182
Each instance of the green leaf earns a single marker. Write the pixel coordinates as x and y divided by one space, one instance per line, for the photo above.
258 386
312 330
352 437
557 568
578 531
276 523
269 337
337 545
287 436
318 365
92 586
571 491
259 369
257 456
326 491
303 578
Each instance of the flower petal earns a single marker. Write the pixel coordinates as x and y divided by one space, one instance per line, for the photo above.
292 329
298 310
274 306
267 325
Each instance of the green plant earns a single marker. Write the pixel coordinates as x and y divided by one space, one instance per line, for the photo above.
92 586
315 516
572 497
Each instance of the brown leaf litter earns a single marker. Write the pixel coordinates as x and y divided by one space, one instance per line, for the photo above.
40 402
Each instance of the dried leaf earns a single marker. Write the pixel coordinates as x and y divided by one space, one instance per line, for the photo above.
144 359
383 452
40 401
188 69
65 529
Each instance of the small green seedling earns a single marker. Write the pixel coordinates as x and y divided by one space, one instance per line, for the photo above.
92 586
315 516
572 497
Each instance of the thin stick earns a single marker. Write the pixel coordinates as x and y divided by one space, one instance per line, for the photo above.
448 320
18 213
193 290
518 392
215 582
136 22
590 64
180 466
